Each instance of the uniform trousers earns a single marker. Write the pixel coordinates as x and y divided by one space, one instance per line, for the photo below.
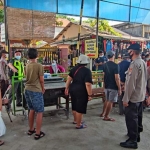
133 117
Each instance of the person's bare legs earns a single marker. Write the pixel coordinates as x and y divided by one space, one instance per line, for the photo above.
109 107
31 119
39 118
74 116
104 109
79 117
1 142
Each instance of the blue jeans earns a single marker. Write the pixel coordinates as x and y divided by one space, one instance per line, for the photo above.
35 101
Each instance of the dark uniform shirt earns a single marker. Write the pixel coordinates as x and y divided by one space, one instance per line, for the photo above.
123 67
101 60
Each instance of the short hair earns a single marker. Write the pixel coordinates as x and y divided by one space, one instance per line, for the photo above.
147 55
101 52
32 53
110 56
137 52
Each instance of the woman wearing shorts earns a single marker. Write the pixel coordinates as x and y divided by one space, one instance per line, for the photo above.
79 85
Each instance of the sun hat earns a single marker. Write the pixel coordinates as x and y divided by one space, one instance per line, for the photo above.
83 59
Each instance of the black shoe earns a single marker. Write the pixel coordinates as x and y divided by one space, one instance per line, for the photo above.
19 105
129 144
138 138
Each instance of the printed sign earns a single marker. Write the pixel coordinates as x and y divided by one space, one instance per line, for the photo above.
90 48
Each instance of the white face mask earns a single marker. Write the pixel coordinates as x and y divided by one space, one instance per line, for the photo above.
102 55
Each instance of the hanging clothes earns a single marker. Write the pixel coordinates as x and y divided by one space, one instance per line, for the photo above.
104 45
108 45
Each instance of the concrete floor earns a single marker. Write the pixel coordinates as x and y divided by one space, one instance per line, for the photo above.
62 135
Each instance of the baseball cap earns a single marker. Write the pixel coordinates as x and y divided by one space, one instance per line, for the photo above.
110 54
135 47
101 52
4 51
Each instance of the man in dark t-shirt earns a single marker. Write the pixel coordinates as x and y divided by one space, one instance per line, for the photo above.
112 85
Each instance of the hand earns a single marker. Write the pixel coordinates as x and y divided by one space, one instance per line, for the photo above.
43 91
15 70
89 98
119 92
66 92
125 104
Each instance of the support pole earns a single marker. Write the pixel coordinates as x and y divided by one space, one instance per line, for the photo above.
6 28
81 14
97 26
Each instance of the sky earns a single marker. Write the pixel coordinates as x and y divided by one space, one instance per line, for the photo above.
110 22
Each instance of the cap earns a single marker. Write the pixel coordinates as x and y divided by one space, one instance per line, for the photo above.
126 55
135 47
110 53
4 51
83 59
101 52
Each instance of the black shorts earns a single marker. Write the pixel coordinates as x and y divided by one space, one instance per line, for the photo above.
79 101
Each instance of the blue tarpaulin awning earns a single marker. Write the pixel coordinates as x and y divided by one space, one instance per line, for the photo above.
134 11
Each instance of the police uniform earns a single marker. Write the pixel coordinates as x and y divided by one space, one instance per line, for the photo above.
135 89
17 86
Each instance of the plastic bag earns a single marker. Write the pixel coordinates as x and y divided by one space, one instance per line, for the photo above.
2 126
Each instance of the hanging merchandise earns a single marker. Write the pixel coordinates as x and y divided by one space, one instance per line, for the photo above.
108 45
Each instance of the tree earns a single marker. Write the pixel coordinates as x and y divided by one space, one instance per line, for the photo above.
1 16
103 26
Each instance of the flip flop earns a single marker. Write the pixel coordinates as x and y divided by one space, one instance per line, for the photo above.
109 119
1 143
83 126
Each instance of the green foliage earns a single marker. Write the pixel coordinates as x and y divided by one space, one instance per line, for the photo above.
65 17
103 26
1 16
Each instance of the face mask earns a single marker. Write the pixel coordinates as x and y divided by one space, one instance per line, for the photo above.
101 56
18 57
131 55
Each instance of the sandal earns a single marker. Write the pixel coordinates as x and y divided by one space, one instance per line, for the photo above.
38 136
83 126
109 119
30 132
1 143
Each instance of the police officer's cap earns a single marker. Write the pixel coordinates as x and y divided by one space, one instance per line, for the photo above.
135 47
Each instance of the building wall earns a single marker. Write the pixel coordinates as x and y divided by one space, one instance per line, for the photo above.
72 31
136 31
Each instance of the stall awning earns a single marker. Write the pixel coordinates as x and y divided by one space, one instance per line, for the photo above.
134 11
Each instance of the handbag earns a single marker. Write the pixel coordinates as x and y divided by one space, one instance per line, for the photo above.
2 126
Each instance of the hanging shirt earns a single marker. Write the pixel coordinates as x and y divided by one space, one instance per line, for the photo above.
108 45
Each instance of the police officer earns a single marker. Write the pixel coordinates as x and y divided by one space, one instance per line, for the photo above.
17 69
135 89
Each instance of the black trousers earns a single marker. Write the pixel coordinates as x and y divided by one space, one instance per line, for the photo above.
120 103
133 117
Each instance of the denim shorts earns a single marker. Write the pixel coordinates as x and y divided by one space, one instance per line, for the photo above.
35 101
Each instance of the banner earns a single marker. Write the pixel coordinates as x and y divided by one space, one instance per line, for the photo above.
90 48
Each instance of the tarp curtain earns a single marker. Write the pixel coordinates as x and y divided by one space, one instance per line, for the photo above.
135 11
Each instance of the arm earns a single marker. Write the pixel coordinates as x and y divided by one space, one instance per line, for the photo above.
130 83
69 79
42 83
89 90
117 79
12 67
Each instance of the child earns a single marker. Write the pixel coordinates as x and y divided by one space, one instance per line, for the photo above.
34 90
